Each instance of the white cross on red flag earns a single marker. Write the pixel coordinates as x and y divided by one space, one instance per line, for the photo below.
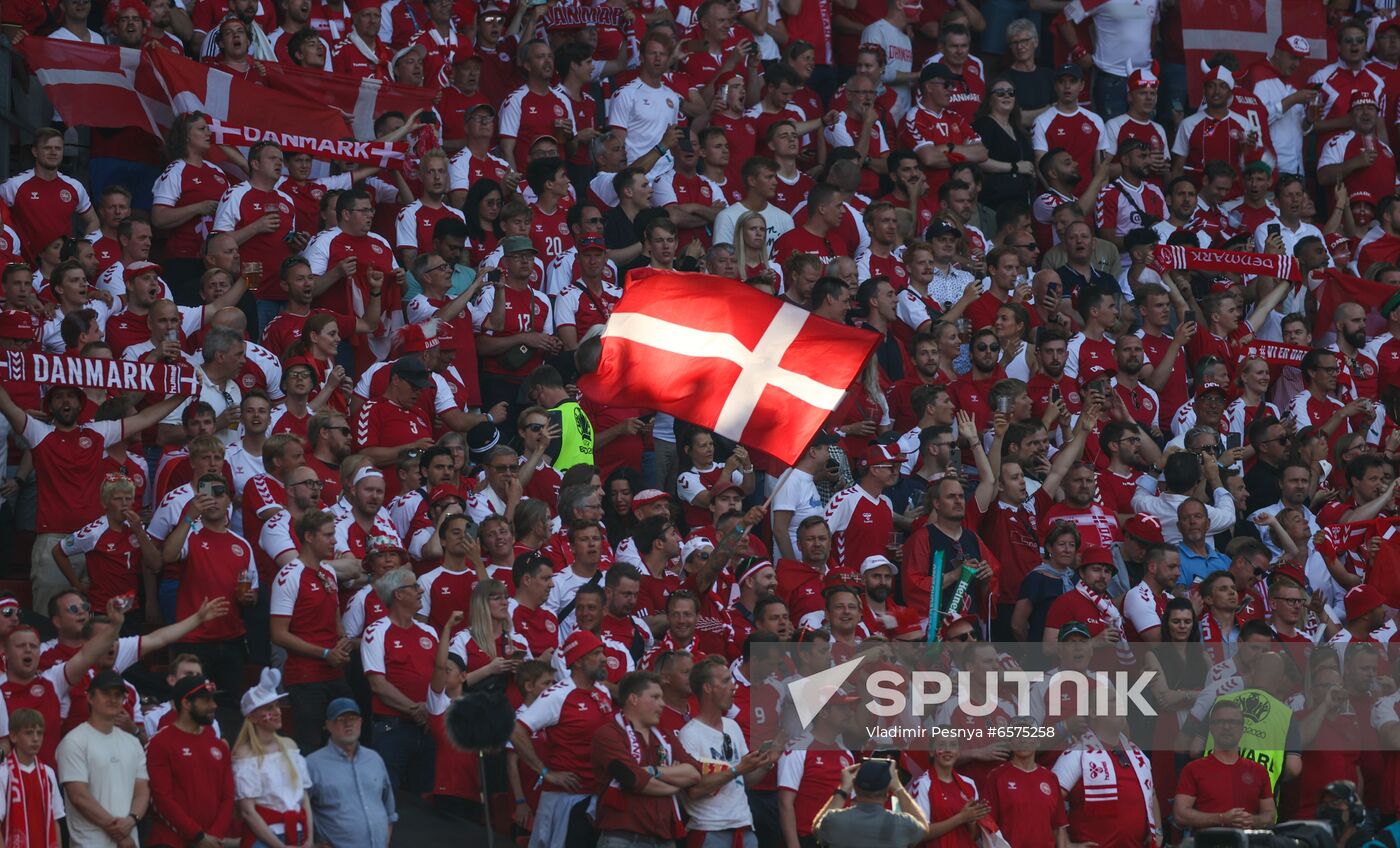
99 85
1249 29
719 354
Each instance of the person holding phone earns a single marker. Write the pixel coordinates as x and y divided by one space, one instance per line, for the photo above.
213 562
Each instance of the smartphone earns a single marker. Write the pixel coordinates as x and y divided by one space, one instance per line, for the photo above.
206 489
955 458
1274 229
1003 404
1233 440
1054 394
1189 317
493 276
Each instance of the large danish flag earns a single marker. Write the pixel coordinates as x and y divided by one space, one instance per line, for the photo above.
722 355
100 85
1249 29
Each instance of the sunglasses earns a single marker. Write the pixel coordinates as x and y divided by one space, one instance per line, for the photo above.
1004 92
503 469
77 608
534 428
345 430
983 348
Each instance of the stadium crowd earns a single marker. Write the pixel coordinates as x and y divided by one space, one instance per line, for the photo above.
248 612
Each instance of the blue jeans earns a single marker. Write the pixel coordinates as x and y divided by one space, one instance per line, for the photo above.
166 593
267 310
725 839
1110 95
1173 95
999 14
408 752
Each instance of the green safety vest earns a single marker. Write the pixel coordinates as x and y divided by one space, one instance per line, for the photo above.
575 438
1266 723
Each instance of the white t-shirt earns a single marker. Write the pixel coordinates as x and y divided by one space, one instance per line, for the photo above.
727 809
799 496
899 59
110 764
778 222
1122 33
646 113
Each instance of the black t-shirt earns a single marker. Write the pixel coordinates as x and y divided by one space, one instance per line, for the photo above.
1034 89
1263 483
999 188
618 230
1075 284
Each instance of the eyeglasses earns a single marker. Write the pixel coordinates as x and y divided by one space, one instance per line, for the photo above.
995 347
1332 369
1132 440
77 608
503 469
315 484
363 210
1293 602
962 637
1004 92
1019 41
437 267
345 430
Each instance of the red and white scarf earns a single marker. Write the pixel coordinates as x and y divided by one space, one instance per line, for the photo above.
1100 775
614 796
1114 617
1174 257
17 808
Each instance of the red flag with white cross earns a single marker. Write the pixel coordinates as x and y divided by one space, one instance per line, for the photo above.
714 352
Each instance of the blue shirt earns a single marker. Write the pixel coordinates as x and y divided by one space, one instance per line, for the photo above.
1195 568
352 802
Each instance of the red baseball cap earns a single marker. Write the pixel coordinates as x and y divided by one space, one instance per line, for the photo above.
1145 527
416 338
882 455
1212 387
1094 372
1296 45
140 267
1361 600
580 644
442 492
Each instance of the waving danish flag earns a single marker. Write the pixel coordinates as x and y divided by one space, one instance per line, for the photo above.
719 354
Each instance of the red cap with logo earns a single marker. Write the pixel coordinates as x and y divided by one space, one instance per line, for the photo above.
1295 45
882 455
1145 527
1361 97
1362 599
580 644
416 338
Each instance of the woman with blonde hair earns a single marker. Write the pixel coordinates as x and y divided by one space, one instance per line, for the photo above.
269 774
490 645
1252 382
111 544
751 250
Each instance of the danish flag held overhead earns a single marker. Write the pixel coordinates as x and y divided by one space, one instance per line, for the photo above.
750 367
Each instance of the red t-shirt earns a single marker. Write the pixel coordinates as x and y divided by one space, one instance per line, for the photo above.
211 564
404 655
244 205
1219 788
572 716
310 598
183 184
1026 804
71 463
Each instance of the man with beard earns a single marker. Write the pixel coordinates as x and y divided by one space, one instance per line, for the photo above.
1126 203
1081 507
1214 132
1352 349
191 772
573 711
1182 205
1358 158
800 582
1146 603
70 459
926 360
971 391
943 540
880 615
1050 384
364 519
1140 400
1315 406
